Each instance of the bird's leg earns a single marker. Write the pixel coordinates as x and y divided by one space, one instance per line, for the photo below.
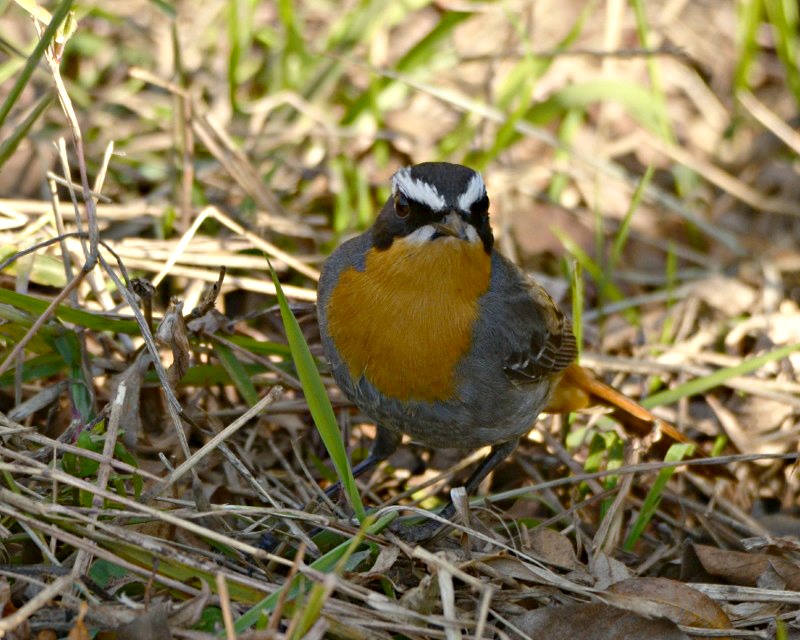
383 446
430 528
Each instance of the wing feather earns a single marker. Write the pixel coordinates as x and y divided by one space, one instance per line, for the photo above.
552 347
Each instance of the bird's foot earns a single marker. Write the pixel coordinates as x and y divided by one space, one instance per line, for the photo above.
416 532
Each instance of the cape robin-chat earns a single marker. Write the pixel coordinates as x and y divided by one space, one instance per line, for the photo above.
433 333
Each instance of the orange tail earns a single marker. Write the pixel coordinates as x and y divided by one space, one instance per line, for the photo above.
579 389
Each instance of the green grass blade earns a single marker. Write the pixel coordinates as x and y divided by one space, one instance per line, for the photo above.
46 269
356 26
607 288
639 101
10 144
676 453
240 35
517 88
659 97
318 402
204 375
576 279
165 7
68 347
671 272
718 378
236 370
68 314
570 125
35 368
311 609
624 229
783 16
263 348
99 322
418 56
49 34
749 18
324 564
167 565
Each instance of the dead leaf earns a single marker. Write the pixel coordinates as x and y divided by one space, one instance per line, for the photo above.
188 614
40 400
756 422
424 597
211 322
788 571
172 333
778 541
386 558
752 610
553 548
513 568
110 615
672 600
152 625
730 296
534 238
739 567
607 570
782 327
771 579
130 415
594 622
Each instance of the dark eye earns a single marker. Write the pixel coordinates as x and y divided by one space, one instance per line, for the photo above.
481 207
401 206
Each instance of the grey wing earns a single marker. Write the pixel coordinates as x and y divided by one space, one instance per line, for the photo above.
552 347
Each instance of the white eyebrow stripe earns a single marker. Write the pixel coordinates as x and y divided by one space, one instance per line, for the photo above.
417 190
475 191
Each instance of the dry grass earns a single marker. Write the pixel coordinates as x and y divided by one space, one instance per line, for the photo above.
642 166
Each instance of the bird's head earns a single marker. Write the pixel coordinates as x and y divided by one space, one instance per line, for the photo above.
434 202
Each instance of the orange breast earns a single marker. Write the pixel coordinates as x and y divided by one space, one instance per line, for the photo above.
406 320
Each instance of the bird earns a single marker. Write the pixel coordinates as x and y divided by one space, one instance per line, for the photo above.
433 333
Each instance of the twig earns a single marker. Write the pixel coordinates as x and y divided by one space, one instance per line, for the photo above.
225 604
173 406
69 184
725 181
770 120
84 558
184 128
77 542
40 245
645 467
38 470
77 138
212 444
267 247
59 219
11 622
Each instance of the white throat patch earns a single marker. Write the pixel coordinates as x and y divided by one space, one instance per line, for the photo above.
428 233
421 236
475 191
418 190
